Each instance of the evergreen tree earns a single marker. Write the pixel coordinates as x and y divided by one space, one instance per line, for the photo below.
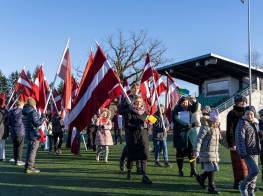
60 88
12 80
36 72
29 75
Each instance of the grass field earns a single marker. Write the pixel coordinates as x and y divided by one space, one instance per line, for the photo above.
73 175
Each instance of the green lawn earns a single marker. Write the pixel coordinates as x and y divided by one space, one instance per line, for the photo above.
73 175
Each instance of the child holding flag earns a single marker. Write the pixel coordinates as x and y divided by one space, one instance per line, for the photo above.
103 135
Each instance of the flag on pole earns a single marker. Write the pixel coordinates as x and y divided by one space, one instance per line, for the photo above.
57 99
3 97
160 86
74 89
72 140
40 88
64 72
23 85
11 102
153 102
100 84
118 118
172 96
89 63
184 92
145 87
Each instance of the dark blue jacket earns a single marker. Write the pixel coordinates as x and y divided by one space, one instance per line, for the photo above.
16 123
32 122
261 129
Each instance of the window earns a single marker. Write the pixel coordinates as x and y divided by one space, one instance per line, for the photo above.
217 86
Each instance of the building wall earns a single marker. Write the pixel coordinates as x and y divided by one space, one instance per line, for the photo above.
232 87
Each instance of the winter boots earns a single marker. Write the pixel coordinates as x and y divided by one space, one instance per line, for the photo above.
212 188
180 163
193 168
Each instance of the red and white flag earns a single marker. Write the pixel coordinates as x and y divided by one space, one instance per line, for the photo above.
153 102
39 93
100 84
74 89
172 96
160 86
3 97
145 87
57 100
23 85
72 141
118 118
11 102
40 90
64 72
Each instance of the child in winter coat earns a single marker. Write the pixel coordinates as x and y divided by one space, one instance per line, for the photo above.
248 145
159 137
206 146
103 135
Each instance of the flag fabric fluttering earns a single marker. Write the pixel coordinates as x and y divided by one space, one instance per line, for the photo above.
23 85
160 86
39 93
100 84
145 87
172 96
11 103
118 118
64 72
72 140
184 92
57 99
3 97
153 102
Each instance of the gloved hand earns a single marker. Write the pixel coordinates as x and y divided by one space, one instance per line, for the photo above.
59 117
102 126
43 115
98 116
196 154
235 148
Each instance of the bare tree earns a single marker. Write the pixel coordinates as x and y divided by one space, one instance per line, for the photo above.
255 59
127 55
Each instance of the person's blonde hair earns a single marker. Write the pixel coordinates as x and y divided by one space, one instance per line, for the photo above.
213 130
19 103
199 108
138 98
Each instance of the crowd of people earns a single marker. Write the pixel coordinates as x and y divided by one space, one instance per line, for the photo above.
197 138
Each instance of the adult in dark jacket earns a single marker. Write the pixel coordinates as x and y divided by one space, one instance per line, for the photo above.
117 132
91 132
49 134
17 130
159 137
240 169
4 130
261 141
137 141
32 121
57 130
184 134
123 109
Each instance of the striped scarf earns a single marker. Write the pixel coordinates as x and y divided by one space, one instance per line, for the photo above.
137 110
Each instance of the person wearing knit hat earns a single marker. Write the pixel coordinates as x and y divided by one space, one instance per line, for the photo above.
215 116
4 130
184 133
248 145
239 166
32 121
206 147
240 98
206 110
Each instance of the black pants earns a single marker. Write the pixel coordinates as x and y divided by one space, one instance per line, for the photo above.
58 139
91 137
118 134
18 142
124 154
143 165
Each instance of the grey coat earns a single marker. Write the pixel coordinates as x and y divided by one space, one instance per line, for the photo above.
205 145
158 133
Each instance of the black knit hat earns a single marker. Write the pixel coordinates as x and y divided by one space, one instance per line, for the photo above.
240 98
260 113
251 108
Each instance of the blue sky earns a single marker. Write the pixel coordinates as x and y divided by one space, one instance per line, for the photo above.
32 32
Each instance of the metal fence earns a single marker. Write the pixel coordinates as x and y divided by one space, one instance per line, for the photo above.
231 101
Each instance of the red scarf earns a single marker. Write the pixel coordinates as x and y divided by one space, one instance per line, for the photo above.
137 110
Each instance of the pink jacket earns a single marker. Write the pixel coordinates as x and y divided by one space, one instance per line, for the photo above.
103 135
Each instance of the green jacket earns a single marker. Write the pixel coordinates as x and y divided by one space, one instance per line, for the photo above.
181 133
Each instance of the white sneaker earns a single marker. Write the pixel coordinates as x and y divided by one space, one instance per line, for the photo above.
20 163
97 157
12 160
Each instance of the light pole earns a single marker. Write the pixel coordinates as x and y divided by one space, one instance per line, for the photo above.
249 51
